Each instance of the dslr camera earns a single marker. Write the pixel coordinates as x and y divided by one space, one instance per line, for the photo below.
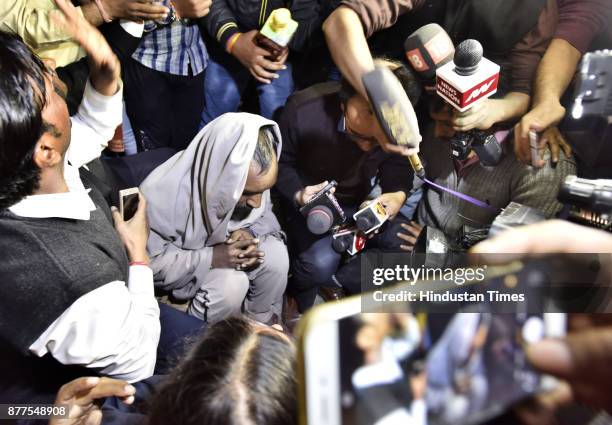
486 146
323 211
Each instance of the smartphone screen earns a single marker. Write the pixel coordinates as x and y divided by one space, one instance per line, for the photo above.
130 205
400 368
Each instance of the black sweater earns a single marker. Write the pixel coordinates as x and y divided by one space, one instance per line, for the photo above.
48 263
314 151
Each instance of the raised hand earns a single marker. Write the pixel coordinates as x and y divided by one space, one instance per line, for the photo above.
105 70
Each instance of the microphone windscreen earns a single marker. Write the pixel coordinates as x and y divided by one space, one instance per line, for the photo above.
467 57
341 244
319 220
392 107
427 49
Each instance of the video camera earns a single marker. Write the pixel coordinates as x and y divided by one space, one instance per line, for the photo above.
589 201
486 146
588 126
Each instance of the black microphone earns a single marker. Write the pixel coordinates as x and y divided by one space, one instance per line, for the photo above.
319 219
469 78
467 57
427 49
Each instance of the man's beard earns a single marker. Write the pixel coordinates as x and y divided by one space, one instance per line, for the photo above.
241 212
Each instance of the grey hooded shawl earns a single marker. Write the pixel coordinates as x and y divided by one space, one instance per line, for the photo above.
191 198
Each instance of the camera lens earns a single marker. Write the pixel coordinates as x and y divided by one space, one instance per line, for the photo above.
319 219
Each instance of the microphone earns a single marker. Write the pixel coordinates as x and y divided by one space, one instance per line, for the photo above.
394 111
427 49
469 78
319 219
349 240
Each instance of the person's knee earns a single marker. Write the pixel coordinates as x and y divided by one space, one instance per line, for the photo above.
276 257
235 288
221 298
316 266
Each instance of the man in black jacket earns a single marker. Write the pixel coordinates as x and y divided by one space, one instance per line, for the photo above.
235 58
331 133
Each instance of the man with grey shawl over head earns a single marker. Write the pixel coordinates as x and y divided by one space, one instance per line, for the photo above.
214 239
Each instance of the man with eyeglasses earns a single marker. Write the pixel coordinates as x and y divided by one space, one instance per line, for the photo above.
330 132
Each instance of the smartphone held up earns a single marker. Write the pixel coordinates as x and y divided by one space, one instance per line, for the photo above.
403 367
128 202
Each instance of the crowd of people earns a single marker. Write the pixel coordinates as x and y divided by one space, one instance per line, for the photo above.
182 314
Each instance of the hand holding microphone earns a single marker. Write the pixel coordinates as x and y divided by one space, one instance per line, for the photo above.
395 113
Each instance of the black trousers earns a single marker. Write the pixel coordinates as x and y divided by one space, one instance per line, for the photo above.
164 109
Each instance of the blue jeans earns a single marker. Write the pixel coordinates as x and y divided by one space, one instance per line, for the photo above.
224 85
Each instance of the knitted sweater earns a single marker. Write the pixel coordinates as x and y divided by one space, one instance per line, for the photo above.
47 264
510 181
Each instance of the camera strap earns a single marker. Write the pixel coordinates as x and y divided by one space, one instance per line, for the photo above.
464 197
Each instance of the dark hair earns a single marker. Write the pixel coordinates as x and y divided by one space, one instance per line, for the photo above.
232 376
406 77
22 99
265 151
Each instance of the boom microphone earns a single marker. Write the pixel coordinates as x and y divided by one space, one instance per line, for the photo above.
394 111
428 49
469 78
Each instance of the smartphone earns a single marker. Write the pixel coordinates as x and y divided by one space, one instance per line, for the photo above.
128 202
403 368
533 146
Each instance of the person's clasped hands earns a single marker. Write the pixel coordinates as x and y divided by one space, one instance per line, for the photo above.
238 252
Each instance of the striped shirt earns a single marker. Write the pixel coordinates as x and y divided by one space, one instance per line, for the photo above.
173 49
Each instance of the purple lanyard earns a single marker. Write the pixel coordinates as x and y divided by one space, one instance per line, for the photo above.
501 135
465 197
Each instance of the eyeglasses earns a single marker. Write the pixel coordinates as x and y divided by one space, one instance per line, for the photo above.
354 136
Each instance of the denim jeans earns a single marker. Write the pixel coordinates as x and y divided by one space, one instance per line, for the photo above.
224 86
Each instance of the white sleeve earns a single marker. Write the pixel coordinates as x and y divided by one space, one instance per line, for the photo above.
113 329
134 29
94 125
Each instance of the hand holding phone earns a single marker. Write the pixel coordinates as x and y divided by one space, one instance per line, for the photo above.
133 232
534 148
128 202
